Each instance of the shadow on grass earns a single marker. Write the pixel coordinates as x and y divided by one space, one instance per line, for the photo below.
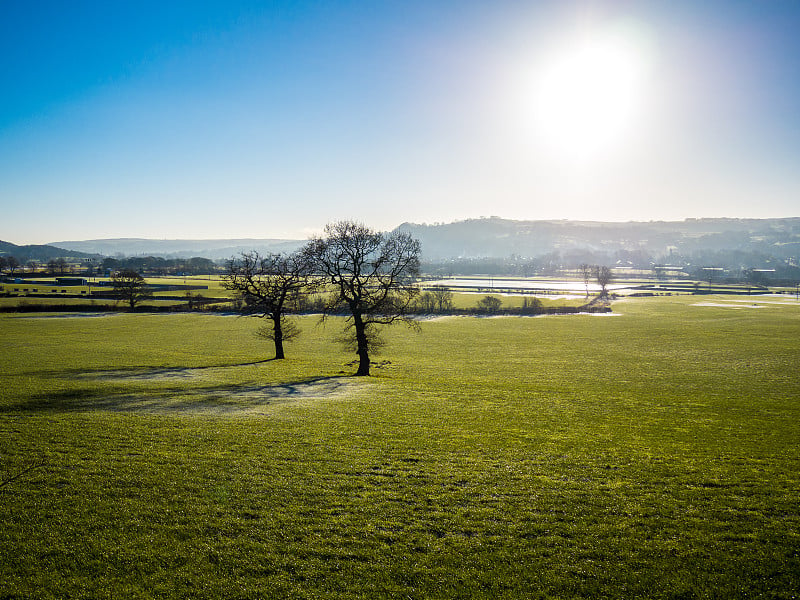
218 399
138 372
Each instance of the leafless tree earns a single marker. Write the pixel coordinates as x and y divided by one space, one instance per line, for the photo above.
603 276
372 274
12 264
586 271
130 287
436 299
268 286
425 302
531 306
442 297
61 265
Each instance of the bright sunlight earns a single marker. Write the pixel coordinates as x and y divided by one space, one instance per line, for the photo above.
589 95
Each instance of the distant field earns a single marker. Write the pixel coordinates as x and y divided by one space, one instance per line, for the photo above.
214 289
463 300
650 453
31 294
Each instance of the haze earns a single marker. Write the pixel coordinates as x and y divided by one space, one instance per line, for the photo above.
252 120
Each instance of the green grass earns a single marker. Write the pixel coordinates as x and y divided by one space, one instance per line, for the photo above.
32 300
78 302
653 454
467 300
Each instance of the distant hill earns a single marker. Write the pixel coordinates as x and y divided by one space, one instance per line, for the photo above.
41 253
495 237
212 249
734 243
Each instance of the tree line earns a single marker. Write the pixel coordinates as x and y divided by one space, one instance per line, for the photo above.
54 266
156 265
145 265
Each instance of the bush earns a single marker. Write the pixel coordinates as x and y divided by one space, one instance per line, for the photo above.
489 304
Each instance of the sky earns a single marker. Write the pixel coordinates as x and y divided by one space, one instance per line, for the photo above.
233 119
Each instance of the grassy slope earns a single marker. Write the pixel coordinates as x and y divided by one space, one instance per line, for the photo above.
652 454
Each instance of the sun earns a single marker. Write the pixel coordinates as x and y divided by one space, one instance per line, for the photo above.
589 95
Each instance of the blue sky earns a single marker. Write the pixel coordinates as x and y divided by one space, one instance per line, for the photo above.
233 119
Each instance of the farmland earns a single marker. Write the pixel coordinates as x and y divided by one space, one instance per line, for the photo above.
649 453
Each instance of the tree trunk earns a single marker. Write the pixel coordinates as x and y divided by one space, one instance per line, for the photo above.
278 336
362 346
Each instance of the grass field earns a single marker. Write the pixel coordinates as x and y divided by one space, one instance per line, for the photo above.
468 300
215 289
652 454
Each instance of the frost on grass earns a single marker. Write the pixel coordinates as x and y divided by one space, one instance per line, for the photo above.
198 396
166 374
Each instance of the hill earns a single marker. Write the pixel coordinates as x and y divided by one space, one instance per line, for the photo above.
41 252
691 244
175 248
496 237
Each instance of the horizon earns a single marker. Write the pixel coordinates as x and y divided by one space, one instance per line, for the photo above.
240 121
421 224
318 231
436 224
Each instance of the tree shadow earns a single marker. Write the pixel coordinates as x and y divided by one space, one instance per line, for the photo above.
208 399
138 372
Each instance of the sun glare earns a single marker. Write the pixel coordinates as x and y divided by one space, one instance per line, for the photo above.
589 95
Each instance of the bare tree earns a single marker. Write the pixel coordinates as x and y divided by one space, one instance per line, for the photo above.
267 286
372 274
425 302
288 331
531 306
130 287
12 264
603 276
442 297
3 263
436 299
61 265
586 271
